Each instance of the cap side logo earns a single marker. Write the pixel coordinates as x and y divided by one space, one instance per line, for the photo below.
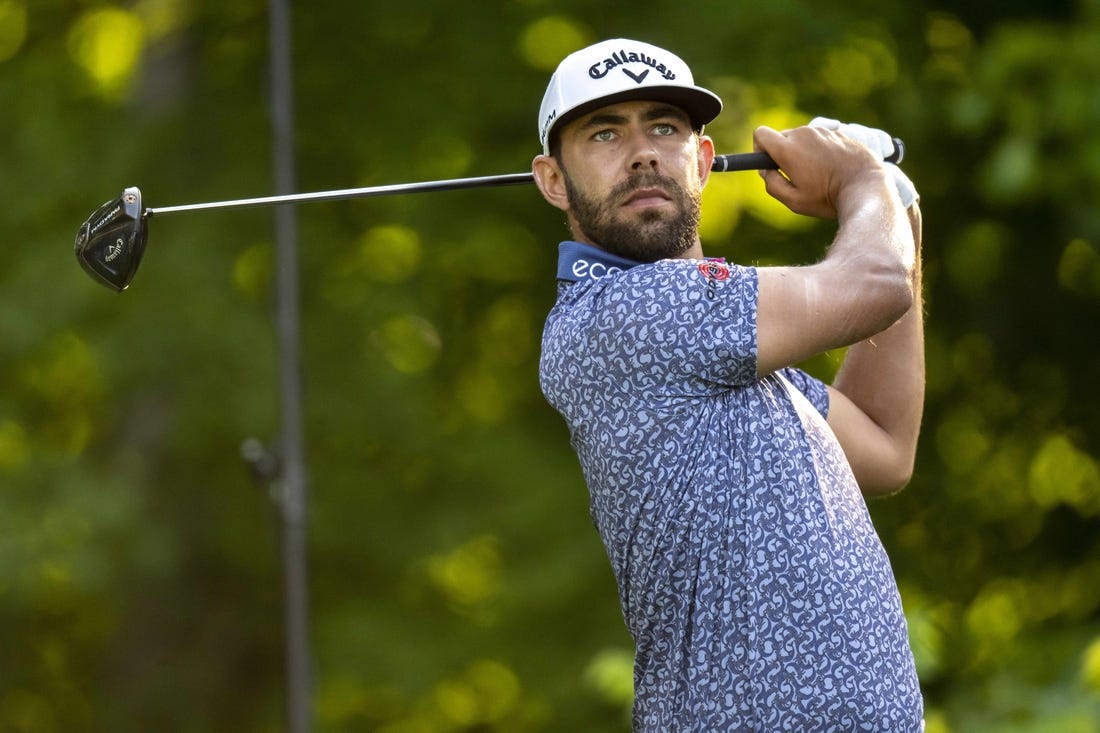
547 124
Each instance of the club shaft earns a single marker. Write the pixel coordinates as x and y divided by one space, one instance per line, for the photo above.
722 163
453 184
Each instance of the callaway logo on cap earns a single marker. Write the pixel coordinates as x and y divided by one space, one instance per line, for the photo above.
616 71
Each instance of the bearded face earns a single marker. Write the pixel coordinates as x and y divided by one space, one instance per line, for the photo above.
647 235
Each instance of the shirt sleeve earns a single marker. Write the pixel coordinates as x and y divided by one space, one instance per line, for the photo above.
812 388
685 322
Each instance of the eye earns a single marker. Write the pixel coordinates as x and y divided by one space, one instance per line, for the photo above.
604 136
664 129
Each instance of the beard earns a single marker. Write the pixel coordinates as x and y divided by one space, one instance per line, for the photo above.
652 234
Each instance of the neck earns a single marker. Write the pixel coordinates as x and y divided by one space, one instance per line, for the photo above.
694 252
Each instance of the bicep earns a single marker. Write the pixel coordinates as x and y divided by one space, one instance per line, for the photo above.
787 307
880 465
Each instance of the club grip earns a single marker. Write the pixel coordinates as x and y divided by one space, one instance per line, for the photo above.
762 161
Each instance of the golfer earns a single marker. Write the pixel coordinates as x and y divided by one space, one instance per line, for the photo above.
727 485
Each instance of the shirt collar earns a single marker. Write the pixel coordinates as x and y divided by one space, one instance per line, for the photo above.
577 261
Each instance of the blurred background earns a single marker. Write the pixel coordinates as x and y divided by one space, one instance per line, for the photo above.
456 581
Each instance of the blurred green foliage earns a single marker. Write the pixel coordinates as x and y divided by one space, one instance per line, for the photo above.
457 583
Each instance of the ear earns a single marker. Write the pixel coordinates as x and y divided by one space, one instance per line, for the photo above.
551 181
705 158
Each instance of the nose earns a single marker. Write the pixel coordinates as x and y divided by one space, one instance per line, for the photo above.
644 160
643 157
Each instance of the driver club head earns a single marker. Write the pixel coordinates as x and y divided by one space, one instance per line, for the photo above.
111 242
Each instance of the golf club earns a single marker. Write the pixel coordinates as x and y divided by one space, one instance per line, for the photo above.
111 242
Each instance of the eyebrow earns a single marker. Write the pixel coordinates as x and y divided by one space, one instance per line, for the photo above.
657 112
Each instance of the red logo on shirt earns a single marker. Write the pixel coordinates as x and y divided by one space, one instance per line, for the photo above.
714 270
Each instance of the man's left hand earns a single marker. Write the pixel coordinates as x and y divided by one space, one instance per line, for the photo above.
878 142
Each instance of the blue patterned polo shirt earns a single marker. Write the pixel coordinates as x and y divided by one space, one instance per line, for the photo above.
751 579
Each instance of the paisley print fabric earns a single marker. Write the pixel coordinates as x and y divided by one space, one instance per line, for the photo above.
750 576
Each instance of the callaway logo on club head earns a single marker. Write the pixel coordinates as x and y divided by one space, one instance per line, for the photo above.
620 58
115 250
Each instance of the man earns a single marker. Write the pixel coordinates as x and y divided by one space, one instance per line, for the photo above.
725 483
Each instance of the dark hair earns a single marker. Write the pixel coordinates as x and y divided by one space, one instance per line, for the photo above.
554 146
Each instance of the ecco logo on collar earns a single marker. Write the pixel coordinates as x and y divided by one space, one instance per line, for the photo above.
585 270
577 261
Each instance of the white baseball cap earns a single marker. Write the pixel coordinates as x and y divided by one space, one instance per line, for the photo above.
619 70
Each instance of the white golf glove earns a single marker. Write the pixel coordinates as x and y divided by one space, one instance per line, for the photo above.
878 142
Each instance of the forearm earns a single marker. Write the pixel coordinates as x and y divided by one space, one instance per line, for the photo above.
871 262
883 376
860 288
